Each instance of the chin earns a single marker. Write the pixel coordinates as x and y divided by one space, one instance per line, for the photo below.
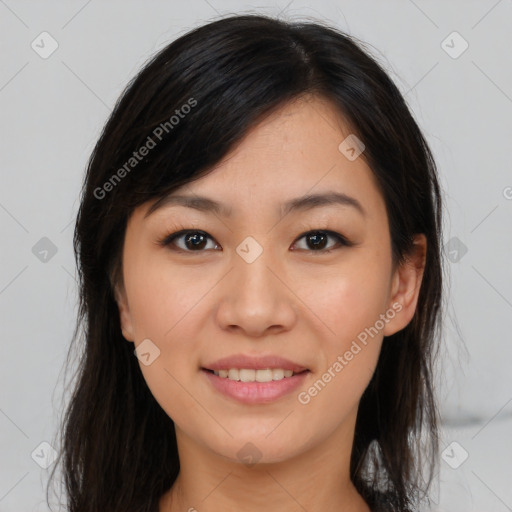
249 451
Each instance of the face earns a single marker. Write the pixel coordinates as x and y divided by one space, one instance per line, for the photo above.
270 282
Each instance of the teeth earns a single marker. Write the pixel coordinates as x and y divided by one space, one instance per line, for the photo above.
248 375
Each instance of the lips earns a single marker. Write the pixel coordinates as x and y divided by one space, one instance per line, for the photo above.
242 361
255 392
246 379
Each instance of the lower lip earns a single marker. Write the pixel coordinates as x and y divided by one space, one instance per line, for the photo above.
256 392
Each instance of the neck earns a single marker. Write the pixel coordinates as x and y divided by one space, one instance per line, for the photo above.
314 480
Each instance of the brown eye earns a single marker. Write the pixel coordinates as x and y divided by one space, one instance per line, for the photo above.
317 241
190 241
195 241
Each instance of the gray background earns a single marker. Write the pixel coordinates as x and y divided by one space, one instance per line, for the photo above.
53 109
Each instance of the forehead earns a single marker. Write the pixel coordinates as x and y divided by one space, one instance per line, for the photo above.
294 151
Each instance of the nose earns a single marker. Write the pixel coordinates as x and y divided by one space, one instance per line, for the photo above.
256 298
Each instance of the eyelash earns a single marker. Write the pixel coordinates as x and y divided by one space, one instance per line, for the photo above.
341 240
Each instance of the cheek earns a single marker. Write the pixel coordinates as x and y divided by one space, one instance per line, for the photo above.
161 298
349 303
348 299
166 308
350 306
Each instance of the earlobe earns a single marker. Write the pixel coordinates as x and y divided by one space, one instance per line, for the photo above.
406 286
124 313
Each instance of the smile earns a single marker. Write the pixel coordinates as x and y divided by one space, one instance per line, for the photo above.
249 386
251 375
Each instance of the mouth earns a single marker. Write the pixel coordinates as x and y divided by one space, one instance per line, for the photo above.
253 386
255 379
255 375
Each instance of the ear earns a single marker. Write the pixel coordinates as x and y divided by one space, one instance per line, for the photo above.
405 288
124 313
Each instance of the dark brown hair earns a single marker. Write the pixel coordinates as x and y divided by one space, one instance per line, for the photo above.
119 449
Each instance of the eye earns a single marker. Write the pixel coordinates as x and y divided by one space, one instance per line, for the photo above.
316 241
188 240
191 240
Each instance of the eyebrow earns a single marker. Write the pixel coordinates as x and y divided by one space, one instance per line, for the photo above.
306 202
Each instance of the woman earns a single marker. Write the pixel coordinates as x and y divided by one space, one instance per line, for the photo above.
258 245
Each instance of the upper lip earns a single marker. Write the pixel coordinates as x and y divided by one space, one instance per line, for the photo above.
242 361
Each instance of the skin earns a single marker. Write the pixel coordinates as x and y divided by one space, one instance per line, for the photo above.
208 303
